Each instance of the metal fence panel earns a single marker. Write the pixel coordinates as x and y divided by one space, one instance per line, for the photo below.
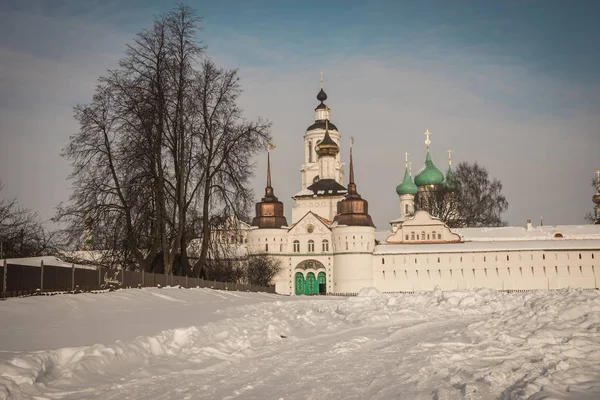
25 280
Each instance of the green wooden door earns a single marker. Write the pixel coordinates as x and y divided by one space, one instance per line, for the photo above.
300 284
311 284
322 283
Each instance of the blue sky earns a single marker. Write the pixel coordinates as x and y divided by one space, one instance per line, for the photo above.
511 84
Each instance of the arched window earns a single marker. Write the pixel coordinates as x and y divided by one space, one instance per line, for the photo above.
267 247
296 246
412 236
325 245
433 235
407 239
382 260
423 235
406 209
310 152
311 246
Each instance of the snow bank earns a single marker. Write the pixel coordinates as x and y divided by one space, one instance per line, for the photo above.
471 344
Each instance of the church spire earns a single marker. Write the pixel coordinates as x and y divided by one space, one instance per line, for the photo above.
327 147
351 184
269 211
429 176
353 210
269 168
596 198
449 183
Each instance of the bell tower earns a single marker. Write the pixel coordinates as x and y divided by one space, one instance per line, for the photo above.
313 136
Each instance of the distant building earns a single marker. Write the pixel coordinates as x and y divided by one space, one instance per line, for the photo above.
331 245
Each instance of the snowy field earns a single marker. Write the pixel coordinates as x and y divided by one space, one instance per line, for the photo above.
204 344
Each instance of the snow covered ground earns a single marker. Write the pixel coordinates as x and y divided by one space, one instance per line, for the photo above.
204 344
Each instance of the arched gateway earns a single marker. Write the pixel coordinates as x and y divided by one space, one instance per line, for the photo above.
305 280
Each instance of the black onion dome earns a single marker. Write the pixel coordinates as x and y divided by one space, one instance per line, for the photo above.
322 96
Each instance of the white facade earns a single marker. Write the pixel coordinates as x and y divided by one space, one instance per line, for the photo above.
419 252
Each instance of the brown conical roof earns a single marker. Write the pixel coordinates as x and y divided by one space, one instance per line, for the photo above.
327 147
353 210
269 211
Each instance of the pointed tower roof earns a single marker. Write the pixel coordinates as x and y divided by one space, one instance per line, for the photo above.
450 183
327 147
353 210
269 211
320 112
429 175
407 186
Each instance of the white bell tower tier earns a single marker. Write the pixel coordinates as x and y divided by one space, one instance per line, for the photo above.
311 168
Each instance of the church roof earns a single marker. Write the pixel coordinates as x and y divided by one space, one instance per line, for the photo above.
269 211
322 96
429 175
450 183
320 124
327 146
407 186
353 210
324 187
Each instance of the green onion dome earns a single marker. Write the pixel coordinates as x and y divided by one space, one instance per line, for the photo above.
407 186
430 175
450 183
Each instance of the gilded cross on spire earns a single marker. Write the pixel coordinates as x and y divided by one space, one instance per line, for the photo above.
449 157
427 141
598 179
322 73
410 168
406 159
351 141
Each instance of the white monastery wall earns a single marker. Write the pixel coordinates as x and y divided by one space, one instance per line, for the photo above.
501 270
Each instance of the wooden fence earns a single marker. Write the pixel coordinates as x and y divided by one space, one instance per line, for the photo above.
23 280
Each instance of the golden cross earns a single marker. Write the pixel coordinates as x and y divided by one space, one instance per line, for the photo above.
427 141
322 79
351 141
449 157
406 159
410 168
598 178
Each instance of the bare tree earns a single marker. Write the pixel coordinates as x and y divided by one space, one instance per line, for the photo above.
162 148
228 144
476 200
21 232
262 269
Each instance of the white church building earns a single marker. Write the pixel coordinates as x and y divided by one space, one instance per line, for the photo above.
331 245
